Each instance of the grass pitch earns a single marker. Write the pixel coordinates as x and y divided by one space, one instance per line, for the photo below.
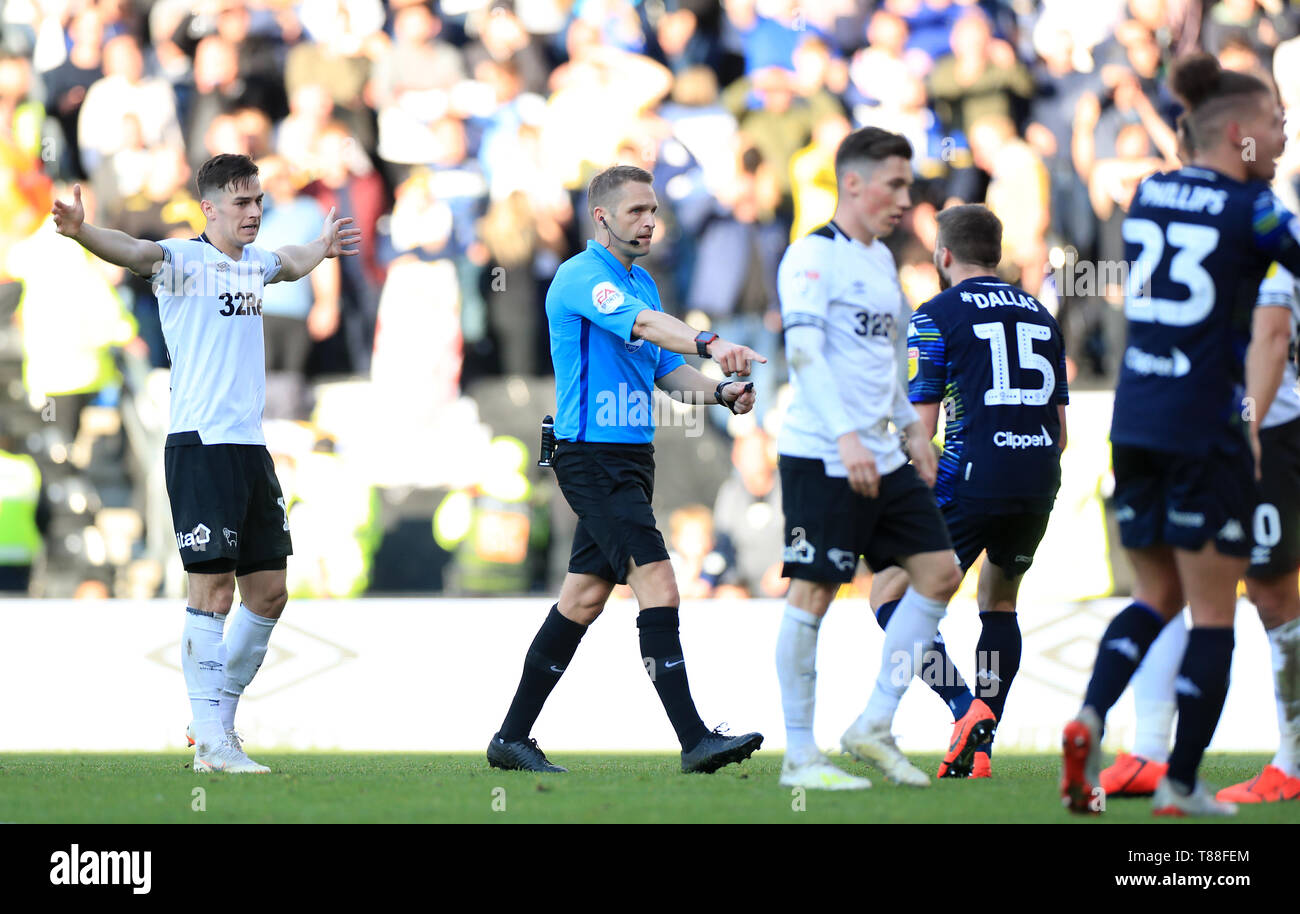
384 788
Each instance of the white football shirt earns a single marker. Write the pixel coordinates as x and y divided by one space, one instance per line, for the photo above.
1280 290
851 291
211 311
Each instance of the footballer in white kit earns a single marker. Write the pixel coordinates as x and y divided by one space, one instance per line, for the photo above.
848 489
228 511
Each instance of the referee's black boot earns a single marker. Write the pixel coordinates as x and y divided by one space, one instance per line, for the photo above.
520 755
718 749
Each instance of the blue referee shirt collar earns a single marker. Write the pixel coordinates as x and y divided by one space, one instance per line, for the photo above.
608 258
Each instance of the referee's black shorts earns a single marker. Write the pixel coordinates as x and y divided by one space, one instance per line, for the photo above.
228 510
828 525
609 487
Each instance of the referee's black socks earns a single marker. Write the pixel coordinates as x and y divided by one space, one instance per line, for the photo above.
661 652
548 657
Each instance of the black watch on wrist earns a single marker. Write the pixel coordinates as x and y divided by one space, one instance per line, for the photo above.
702 341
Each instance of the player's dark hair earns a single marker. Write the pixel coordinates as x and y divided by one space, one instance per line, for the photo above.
869 146
605 185
972 233
224 172
1209 92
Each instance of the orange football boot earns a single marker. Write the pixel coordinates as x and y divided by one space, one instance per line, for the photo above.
1132 776
970 732
1269 786
983 766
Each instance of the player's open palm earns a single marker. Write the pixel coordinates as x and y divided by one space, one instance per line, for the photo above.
340 240
68 217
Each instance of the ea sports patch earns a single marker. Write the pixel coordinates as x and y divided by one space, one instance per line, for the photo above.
913 362
606 298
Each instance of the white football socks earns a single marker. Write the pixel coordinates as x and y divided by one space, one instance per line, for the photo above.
203 669
1284 644
796 668
245 648
1153 690
909 635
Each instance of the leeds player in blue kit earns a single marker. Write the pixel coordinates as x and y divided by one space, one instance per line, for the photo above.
1185 451
994 357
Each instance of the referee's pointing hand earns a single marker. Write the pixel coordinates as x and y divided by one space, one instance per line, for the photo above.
734 359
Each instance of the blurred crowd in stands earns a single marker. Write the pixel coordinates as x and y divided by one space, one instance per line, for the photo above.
460 135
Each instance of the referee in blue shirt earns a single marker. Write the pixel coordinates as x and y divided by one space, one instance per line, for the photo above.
610 342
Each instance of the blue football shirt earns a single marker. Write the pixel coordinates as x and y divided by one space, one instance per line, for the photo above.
604 380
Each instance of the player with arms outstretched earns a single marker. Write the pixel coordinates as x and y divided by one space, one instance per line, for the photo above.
994 356
228 510
1185 458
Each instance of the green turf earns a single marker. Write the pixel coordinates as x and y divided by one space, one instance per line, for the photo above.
599 788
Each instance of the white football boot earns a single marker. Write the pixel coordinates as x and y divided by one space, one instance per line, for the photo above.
818 773
877 747
1171 801
227 757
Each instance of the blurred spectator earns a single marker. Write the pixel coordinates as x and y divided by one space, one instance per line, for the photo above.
163 207
1248 22
293 313
734 281
24 517
66 86
700 559
503 39
417 349
687 34
219 88
1017 194
410 88
123 172
258 59
1115 179
71 319
124 89
812 175
26 200
343 33
348 184
700 123
508 285
777 120
298 135
748 514
982 77
1059 88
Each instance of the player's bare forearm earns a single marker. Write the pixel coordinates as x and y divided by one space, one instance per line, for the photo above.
928 423
297 260
120 249
1270 339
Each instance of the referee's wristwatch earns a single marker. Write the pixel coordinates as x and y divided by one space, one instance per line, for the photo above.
702 341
